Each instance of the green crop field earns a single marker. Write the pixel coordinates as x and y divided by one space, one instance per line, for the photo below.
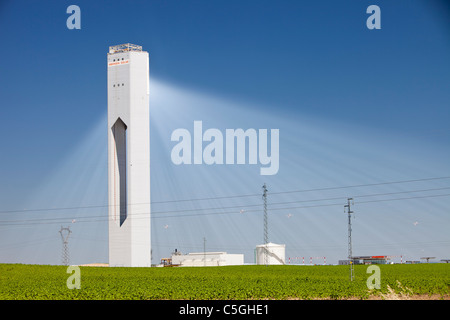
233 282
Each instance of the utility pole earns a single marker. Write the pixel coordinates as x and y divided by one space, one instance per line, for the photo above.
204 251
350 255
65 241
266 227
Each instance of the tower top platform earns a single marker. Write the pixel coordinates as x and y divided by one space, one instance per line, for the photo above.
126 47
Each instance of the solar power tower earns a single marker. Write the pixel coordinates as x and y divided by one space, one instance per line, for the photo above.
128 156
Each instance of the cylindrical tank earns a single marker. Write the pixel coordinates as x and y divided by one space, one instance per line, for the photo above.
275 253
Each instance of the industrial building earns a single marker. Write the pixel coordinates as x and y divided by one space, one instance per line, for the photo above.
128 156
206 259
367 260
275 253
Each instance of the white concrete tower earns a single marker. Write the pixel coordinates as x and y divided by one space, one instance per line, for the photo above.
128 156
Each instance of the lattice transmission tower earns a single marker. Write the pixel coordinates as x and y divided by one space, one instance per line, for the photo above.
65 233
350 253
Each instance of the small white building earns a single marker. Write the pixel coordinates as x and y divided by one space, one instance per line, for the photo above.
275 253
208 259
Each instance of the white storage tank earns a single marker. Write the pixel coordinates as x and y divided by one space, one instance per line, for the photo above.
275 253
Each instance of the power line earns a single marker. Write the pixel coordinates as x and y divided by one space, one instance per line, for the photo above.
362 185
229 197
407 198
304 207
223 246
105 218
257 205
298 201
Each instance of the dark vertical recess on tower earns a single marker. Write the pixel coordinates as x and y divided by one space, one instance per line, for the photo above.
120 138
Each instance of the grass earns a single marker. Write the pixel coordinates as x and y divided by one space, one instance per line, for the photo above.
233 282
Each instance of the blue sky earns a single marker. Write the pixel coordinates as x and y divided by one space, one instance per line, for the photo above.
354 107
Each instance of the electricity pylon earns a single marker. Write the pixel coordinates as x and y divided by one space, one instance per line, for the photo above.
350 255
65 242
